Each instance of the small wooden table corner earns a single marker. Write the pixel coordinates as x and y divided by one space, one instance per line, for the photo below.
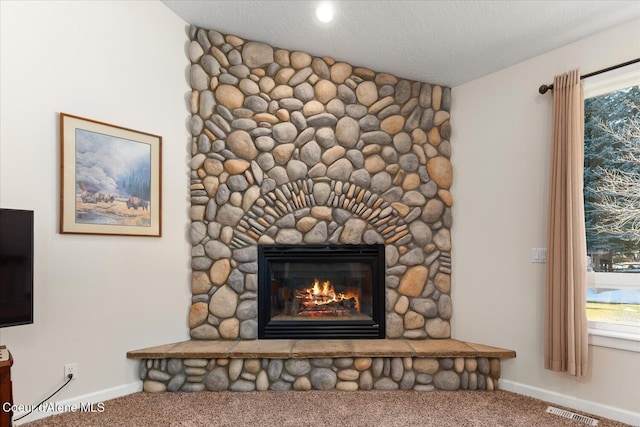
6 391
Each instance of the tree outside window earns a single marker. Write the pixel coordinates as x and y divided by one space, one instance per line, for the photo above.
612 206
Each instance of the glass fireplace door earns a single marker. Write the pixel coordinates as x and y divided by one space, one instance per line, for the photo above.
308 291
321 291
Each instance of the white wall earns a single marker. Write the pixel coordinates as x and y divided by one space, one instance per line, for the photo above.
96 297
500 152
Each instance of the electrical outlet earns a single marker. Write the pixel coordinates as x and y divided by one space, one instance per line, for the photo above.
71 369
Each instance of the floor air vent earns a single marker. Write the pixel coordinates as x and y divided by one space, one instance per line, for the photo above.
572 416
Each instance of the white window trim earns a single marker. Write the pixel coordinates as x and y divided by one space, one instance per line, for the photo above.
619 340
613 280
610 81
608 334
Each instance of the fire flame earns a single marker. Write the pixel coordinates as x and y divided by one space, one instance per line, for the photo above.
323 293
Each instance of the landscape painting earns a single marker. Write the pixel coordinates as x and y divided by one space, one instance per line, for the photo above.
110 180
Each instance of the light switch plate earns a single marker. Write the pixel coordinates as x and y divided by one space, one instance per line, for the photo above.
539 255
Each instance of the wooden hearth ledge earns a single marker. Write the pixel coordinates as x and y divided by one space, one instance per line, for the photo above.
303 349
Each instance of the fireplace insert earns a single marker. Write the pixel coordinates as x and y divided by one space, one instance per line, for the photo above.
321 291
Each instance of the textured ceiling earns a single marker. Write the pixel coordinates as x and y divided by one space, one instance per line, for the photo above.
442 42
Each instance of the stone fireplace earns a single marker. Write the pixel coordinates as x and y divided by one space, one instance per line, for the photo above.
291 154
321 291
294 149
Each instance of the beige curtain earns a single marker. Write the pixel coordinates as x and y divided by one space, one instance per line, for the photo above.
566 319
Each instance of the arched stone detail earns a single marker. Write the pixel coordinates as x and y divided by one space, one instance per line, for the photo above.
294 196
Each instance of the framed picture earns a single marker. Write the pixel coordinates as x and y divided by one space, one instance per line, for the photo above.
110 179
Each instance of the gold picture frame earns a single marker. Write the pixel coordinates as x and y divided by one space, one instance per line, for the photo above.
110 179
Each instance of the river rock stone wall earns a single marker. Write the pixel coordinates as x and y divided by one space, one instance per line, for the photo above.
345 374
293 148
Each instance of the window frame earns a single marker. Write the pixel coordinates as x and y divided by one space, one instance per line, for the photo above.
601 333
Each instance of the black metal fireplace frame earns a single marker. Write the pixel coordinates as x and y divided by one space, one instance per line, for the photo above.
336 329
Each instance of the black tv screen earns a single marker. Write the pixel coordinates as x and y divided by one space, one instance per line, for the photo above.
16 267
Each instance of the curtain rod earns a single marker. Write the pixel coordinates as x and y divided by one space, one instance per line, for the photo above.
544 88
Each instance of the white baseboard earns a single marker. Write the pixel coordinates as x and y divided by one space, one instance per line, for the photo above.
64 406
611 412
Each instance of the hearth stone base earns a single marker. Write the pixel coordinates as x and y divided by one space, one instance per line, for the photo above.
347 365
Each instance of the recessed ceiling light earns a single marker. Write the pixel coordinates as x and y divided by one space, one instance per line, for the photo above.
324 12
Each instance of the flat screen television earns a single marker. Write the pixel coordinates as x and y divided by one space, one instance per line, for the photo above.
16 267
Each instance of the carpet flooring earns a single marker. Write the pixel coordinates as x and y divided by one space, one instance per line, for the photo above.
321 408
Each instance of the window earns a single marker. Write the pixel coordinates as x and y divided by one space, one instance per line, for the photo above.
612 207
